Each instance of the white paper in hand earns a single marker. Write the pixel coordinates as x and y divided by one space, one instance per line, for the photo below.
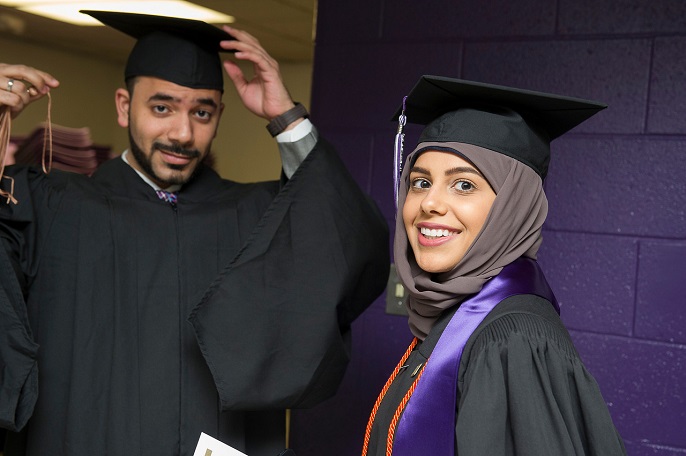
209 446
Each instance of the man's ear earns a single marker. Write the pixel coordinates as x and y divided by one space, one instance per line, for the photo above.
122 101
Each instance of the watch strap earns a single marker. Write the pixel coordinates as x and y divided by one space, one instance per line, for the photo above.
279 123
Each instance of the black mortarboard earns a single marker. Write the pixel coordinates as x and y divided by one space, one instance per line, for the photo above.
182 51
515 122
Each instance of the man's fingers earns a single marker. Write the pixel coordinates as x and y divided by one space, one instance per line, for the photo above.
242 36
25 77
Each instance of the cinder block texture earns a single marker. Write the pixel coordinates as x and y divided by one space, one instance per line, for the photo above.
593 280
353 21
358 156
661 289
651 449
667 109
643 384
403 19
621 16
614 72
618 186
361 86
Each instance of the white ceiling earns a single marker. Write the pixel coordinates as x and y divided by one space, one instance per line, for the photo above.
285 29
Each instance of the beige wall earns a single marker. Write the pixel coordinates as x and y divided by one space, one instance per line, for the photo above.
85 97
244 149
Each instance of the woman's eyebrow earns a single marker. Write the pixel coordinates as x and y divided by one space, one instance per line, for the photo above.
448 172
417 169
463 169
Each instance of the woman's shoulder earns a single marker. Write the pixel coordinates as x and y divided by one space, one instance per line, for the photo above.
521 375
521 319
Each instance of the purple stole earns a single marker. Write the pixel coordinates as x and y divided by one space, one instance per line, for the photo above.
427 425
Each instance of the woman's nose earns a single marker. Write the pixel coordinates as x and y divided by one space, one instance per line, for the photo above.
434 202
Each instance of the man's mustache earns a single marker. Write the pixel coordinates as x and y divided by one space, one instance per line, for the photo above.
178 150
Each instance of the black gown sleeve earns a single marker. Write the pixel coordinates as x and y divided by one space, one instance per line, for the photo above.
318 257
525 391
18 350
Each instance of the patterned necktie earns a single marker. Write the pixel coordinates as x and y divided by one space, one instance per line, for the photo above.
170 197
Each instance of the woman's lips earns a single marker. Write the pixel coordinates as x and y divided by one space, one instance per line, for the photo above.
434 235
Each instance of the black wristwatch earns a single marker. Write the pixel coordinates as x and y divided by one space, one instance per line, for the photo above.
279 123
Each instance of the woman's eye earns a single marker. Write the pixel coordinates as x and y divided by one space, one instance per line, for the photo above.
421 183
464 186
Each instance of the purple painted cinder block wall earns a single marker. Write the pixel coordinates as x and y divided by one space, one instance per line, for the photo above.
614 244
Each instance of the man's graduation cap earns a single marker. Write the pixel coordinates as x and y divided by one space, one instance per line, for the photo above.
182 51
515 122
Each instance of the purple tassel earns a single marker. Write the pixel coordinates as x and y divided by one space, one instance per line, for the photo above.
398 159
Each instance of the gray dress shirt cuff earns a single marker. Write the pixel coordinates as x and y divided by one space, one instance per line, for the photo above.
294 153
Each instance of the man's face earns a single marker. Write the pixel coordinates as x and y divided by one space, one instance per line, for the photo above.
171 127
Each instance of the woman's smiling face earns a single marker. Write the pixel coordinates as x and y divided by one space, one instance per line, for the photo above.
446 206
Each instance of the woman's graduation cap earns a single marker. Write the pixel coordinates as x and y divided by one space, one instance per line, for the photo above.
182 51
515 122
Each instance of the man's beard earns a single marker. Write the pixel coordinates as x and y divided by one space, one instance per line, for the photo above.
145 161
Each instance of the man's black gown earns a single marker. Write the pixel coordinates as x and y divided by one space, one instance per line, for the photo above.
143 324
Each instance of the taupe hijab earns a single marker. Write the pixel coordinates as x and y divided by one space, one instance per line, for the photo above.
512 229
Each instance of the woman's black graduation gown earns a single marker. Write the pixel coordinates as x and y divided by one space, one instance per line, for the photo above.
145 324
522 388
